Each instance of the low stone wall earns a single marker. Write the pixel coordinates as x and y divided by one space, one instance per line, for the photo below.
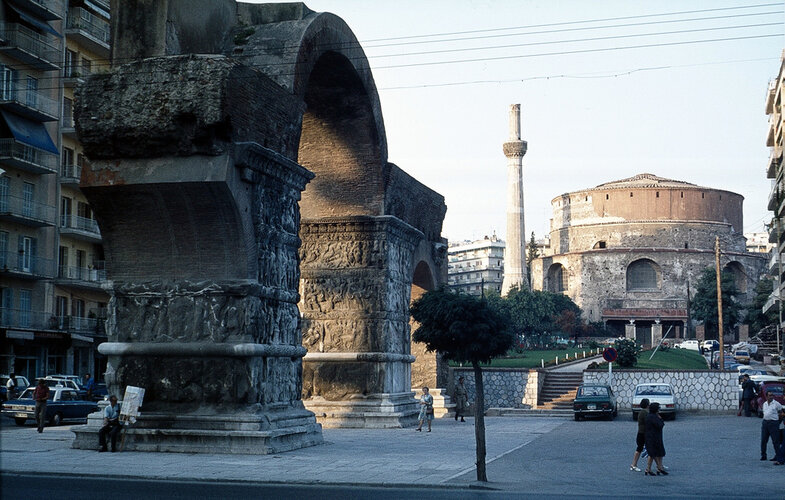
694 389
503 387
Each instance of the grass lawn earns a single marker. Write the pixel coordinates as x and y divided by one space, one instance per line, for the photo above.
532 359
672 359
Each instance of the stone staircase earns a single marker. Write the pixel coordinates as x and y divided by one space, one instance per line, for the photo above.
559 390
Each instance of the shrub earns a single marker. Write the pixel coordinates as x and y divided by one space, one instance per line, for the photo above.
628 352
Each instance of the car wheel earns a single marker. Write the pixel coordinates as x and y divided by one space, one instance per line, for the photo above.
577 417
673 416
56 419
20 421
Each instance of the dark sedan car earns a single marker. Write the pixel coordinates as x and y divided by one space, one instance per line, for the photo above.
594 400
63 404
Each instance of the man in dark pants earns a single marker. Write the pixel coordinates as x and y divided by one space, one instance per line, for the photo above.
111 425
41 396
747 393
770 427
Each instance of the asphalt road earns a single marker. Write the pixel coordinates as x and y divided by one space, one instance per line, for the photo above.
30 487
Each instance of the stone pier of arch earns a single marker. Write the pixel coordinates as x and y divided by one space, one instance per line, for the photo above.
202 165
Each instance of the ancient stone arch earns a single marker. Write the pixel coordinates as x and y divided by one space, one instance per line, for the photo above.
197 139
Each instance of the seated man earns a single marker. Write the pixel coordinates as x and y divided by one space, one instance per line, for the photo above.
111 425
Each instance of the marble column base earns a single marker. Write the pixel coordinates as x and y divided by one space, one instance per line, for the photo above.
375 411
249 434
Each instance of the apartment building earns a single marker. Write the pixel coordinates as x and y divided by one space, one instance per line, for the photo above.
474 266
775 172
52 300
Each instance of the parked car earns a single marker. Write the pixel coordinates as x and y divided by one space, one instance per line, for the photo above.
692 345
594 400
21 384
100 392
710 345
778 388
68 384
742 357
74 378
661 393
63 404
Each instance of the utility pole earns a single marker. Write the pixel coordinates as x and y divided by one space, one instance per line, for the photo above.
719 301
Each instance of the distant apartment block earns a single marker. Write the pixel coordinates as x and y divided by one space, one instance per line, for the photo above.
476 264
52 300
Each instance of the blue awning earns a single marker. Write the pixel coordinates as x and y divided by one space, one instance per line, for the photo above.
35 22
28 132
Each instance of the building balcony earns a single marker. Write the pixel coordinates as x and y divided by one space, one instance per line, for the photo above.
772 301
86 28
29 103
27 158
69 127
775 196
21 265
82 277
80 228
70 174
77 324
49 10
775 160
26 212
42 52
25 318
774 261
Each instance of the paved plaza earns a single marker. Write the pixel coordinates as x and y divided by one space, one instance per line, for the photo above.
708 456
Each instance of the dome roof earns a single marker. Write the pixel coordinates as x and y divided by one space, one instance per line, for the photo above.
643 181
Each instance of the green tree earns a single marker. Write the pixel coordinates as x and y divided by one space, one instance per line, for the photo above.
532 252
756 318
465 329
535 313
627 352
704 303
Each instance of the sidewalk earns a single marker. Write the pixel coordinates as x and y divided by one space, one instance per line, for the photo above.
349 456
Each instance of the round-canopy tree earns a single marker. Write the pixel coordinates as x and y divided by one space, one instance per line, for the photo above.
464 329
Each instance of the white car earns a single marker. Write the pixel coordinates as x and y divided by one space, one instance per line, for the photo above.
661 393
693 345
710 345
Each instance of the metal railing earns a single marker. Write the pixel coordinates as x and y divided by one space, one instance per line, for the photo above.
30 99
21 263
24 318
10 148
92 274
71 172
22 207
80 223
44 47
82 19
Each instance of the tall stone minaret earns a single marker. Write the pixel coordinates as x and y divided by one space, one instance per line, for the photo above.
515 249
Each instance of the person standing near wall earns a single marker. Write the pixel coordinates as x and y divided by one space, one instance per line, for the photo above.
426 409
748 392
461 399
654 443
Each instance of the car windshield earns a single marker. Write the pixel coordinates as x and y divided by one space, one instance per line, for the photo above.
742 353
593 391
653 390
28 394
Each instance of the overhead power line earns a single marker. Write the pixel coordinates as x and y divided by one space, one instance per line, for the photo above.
565 23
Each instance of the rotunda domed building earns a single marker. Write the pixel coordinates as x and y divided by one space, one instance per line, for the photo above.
627 251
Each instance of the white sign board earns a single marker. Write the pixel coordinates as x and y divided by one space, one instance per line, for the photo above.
132 401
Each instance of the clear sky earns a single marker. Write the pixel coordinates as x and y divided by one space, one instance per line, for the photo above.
593 109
